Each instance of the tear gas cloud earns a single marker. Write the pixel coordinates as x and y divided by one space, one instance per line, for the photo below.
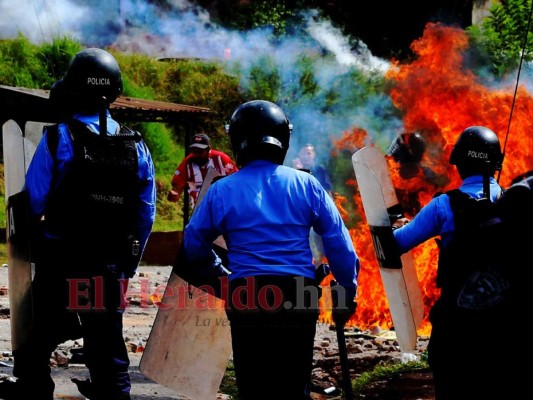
186 30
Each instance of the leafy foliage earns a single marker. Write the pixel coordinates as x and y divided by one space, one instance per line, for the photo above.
27 65
502 36
264 80
273 14
204 83
221 86
229 382
56 56
144 75
388 371
166 153
18 64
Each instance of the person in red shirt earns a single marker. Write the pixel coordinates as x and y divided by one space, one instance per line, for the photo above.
193 169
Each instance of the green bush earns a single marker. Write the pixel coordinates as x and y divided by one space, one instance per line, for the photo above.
500 38
55 58
388 372
204 84
222 85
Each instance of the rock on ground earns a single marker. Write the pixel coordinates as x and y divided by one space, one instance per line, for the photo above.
365 351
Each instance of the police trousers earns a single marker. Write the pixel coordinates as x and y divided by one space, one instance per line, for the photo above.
470 356
273 325
74 300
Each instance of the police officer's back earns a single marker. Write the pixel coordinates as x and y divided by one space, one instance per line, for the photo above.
265 212
476 273
92 200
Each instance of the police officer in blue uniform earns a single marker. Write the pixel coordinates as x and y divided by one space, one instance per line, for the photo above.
477 156
264 212
461 348
91 189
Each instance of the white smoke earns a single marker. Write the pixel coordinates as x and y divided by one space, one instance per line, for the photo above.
40 20
331 39
186 30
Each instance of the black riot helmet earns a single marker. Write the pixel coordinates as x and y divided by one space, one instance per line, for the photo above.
259 129
477 152
58 99
93 74
408 147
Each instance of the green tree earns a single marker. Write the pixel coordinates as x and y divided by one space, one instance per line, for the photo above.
500 38
247 15
55 57
203 83
18 64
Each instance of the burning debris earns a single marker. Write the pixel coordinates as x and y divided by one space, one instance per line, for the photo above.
439 97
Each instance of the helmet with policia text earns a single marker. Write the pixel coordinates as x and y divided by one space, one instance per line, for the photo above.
259 129
93 74
477 152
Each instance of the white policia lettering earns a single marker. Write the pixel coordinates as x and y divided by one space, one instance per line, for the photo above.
98 81
478 154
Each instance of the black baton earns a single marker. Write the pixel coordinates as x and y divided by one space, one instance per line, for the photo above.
343 351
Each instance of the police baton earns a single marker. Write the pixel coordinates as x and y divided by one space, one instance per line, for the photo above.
343 351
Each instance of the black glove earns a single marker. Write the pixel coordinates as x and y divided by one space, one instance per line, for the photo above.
344 304
321 272
395 212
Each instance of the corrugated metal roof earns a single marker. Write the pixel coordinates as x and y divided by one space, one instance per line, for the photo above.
132 108
25 104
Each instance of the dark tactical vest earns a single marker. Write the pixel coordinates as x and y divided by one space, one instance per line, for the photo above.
482 272
95 205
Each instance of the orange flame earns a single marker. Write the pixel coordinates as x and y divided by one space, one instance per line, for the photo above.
439 97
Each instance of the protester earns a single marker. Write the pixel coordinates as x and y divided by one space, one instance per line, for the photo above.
193 169
476 274
307 161
265 212
408 150
91 190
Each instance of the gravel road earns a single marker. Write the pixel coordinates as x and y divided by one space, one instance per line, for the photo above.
366 349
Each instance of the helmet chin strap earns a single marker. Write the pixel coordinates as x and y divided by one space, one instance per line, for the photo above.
102 116
486 181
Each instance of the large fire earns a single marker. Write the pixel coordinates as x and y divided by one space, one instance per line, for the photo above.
438 97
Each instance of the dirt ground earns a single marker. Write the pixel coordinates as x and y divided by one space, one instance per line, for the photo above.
365 350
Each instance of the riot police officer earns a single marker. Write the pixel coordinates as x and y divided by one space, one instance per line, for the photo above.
461 349
91 190
265 212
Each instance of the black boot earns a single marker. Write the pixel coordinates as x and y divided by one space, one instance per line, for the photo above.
85 387
89 390
9 390
18 390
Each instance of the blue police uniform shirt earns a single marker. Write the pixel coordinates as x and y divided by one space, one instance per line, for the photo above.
264 212
41 173
436 218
